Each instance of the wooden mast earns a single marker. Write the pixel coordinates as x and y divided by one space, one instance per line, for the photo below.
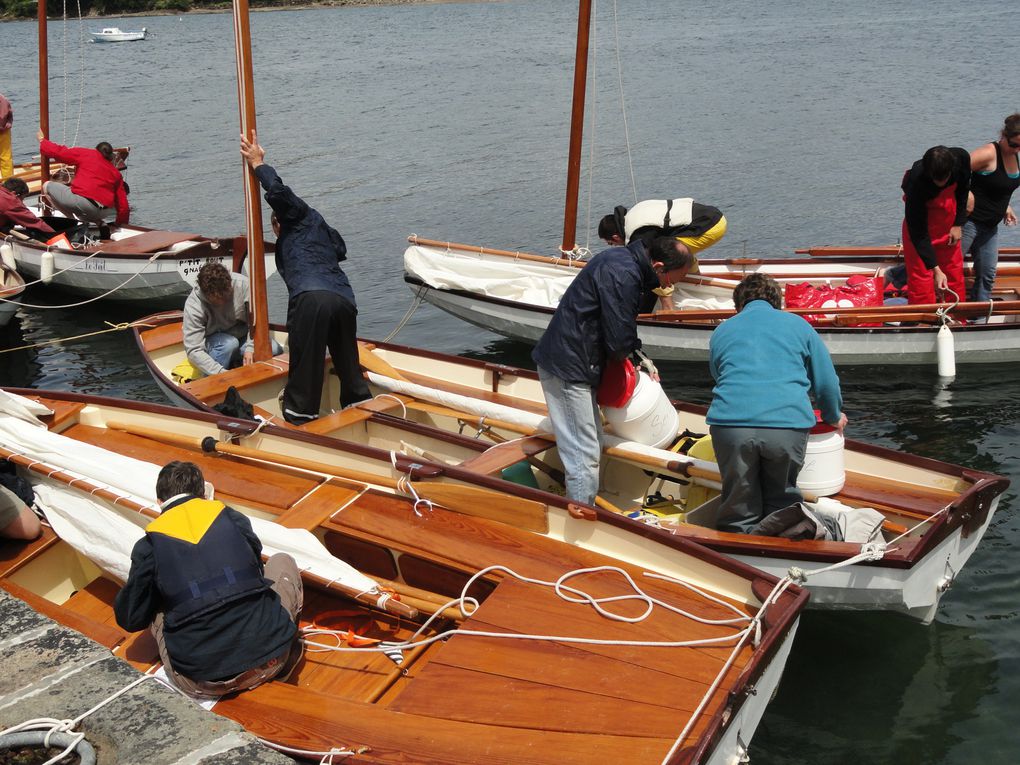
44 90
252 202
576 126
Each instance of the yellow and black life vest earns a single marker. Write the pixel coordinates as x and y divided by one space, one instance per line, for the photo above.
203 561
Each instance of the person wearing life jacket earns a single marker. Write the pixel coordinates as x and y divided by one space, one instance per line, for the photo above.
935 191
995 175
695 226
221 621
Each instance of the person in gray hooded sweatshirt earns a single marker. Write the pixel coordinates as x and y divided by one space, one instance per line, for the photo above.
216 321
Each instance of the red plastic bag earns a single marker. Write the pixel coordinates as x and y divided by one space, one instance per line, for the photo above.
858 291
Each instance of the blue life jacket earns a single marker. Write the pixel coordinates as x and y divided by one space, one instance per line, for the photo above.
202 560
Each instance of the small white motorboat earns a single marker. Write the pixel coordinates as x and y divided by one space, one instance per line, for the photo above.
116 34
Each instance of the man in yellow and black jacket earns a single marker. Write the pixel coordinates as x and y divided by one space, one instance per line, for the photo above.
221 622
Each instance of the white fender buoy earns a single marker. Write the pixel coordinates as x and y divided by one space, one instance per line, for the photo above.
7 256
46 267
945 349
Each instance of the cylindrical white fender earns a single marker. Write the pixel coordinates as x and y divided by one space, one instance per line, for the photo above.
7 255
46 267
945 348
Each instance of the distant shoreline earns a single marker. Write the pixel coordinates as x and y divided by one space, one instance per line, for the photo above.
225 7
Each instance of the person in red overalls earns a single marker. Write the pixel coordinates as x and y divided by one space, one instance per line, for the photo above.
935 193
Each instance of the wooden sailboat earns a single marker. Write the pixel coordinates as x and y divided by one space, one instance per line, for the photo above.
515 294
135 264
487 418
677 686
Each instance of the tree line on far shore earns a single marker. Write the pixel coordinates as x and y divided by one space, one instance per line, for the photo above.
23 9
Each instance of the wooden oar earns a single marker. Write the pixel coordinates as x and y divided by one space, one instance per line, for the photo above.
77 482
373 363
470 500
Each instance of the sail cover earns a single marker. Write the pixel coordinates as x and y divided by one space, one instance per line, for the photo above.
135 480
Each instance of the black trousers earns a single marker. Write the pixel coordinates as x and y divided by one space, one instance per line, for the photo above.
317 321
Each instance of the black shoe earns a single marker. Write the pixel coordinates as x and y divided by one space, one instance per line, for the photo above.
104 232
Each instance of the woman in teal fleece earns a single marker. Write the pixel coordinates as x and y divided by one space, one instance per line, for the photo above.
767 365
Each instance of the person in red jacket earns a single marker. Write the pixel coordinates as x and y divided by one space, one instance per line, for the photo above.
97 188
13 211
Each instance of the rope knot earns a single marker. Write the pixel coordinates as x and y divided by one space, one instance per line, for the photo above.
797 574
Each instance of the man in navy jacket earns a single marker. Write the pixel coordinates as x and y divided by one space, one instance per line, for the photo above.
321 311
596 322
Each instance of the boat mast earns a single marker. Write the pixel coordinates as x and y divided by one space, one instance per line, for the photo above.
44 91
576 126
252 202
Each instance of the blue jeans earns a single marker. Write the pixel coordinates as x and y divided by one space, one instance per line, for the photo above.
577 426
982 242
226 349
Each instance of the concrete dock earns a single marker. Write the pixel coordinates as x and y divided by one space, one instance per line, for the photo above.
52 671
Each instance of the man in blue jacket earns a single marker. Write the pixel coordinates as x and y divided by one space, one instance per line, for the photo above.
321 310
596 322
222 624
766 365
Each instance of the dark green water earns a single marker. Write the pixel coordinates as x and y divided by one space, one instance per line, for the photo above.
796 118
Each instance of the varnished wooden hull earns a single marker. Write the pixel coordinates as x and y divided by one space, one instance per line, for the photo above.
946 507
468 699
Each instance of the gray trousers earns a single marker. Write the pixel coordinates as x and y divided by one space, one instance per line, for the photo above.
283 572
759 468
74 206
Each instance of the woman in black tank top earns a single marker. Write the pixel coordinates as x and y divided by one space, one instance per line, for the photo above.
996 175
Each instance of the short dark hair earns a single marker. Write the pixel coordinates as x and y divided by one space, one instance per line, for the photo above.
214 280
179 478
758 286
17 187
608 227
938 162
104 148
663 249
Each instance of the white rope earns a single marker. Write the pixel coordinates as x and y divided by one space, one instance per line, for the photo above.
106 294
419 297
404 485
403 406
751 632
52 725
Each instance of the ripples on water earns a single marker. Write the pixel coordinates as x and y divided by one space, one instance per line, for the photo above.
449 121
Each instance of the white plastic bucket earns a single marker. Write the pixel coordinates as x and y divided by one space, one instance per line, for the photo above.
823 472
648 417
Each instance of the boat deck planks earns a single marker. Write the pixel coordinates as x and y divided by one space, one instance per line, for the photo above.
290 715
163 336
317 507
213 388
145 242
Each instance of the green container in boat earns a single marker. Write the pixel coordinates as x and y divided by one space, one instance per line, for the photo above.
520 473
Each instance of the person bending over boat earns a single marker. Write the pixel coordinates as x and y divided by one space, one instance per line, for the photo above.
321 310
995 175
216 321
221 622
13 211
935 193
695 226
97 191
596 322
766 364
